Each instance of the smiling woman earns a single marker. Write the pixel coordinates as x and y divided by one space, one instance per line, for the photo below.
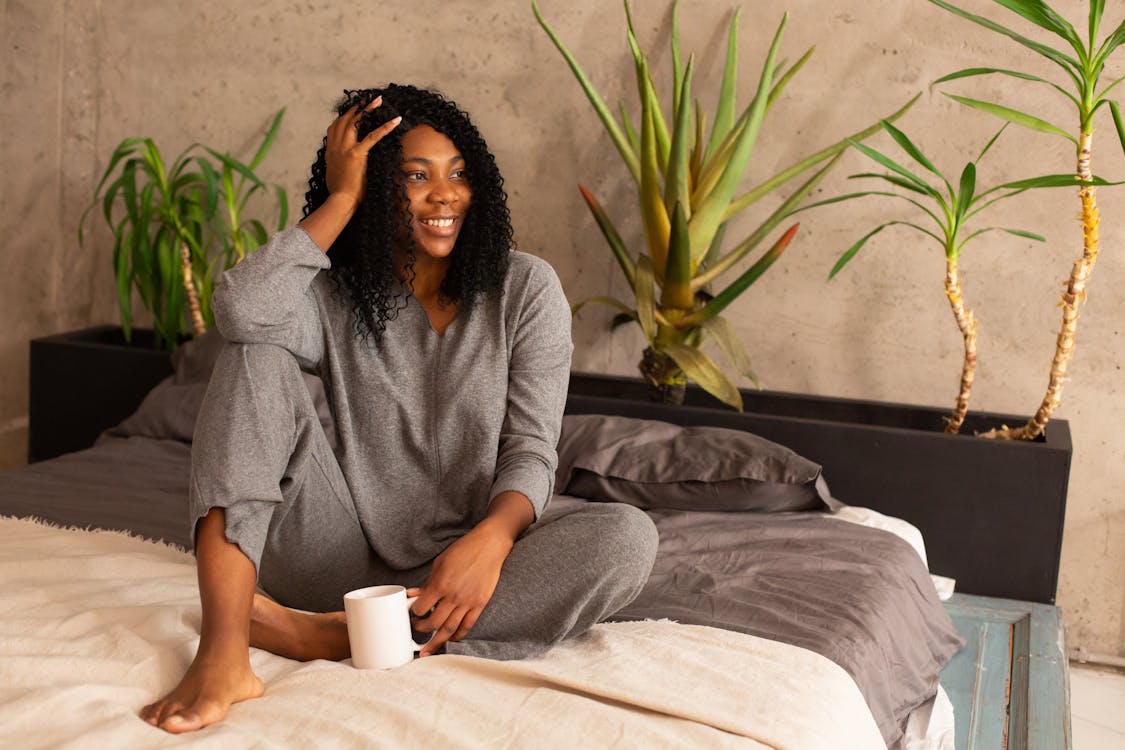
445 356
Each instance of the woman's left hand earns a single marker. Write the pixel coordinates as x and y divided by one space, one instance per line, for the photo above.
460 584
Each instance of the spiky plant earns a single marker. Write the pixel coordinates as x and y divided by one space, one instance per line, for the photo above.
950 212
1083 72
688 183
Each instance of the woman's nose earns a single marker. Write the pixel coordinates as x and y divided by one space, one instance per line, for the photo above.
444 192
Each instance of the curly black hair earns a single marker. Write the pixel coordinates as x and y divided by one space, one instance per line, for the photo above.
363 259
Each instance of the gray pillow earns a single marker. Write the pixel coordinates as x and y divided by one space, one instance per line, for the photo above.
170 409
660 466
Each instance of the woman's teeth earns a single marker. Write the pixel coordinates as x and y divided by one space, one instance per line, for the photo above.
438 222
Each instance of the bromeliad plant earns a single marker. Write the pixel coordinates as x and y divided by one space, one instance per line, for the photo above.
1083 62
688 183
176 228
950 212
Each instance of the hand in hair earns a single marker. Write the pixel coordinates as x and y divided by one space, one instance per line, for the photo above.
346 156
345 174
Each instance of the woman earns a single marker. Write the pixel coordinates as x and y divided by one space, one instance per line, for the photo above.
445 356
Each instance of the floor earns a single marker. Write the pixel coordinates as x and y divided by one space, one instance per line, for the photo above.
1097 707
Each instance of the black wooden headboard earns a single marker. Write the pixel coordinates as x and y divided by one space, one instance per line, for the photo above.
991 512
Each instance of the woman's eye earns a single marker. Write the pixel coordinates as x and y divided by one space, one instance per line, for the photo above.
415 176
458 174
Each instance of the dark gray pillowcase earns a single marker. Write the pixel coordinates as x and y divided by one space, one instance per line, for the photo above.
660 466
170 409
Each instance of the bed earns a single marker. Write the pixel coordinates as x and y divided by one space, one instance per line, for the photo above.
775 616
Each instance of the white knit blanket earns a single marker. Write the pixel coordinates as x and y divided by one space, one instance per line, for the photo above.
95 624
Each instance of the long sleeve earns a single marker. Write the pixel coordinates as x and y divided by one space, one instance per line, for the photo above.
538 378
268 297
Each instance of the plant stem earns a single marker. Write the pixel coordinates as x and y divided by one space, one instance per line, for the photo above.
667 383
967 322
197 324
1074 295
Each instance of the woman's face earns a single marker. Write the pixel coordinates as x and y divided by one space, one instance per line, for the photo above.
437 192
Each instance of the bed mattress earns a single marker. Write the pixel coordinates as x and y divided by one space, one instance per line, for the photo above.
860 597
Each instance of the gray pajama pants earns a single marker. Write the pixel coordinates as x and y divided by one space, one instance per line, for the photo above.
259 452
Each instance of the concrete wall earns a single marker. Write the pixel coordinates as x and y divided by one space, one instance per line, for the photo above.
80 76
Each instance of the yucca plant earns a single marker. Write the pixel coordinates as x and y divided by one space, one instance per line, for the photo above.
688 183
1083 72
949 210
176 228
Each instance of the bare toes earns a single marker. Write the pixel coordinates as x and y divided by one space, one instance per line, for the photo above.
184 721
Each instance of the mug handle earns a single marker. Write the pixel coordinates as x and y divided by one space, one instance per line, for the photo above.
417 646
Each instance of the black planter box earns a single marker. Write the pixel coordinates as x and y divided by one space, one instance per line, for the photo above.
83 382
991 511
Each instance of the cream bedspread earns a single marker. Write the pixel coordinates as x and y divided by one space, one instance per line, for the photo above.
95 624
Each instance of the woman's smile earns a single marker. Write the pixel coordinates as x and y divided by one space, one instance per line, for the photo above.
437 190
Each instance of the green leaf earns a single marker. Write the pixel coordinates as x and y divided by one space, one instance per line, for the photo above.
720 329
676 191
609 301
744 201
783 80
677 293
677 63
628 155
644 291
1016 232
654 215
852 196
1097 7
1011 115
914 152
1054 180
1040 14
711 212
283 207
235 166
1101 96
967 187
894 166
1064 61
782 212
271 134
724 109
616 244
1112 42
848 254
1024 233
211 194
893 179
992 140
646 89
743 282
1115 110
700 368
630 131
1012 73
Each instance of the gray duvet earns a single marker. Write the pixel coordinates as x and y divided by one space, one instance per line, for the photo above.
859 596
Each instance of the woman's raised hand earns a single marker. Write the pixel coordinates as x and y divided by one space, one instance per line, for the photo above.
345 155
345 158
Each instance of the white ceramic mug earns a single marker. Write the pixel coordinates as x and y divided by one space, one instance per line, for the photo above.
379 627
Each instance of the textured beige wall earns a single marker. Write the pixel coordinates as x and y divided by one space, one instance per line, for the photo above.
80 75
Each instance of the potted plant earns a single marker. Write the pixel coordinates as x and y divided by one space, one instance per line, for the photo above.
688 182
891 457
1083 60
176 227
949 213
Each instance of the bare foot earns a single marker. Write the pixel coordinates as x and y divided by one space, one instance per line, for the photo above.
298 635
204 694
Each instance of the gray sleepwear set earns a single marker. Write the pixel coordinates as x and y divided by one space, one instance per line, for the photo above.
429 428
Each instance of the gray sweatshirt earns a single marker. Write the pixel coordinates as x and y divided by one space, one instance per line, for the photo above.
429 427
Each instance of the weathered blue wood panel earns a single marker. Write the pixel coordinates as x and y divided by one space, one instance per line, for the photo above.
1009 686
